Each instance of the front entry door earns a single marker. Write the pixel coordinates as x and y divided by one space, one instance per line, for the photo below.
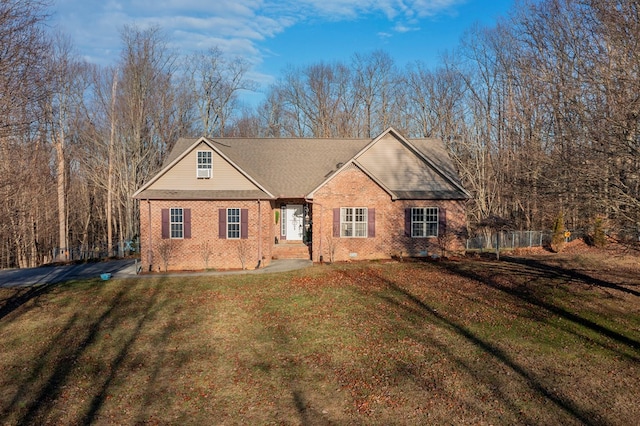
295 222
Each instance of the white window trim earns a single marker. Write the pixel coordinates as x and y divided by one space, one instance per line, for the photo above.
239 223
203 170
425 222
172 223
353 222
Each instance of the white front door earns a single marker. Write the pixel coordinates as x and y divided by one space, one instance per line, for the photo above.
295 222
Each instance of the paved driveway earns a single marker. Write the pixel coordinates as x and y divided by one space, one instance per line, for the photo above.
55 274
118 269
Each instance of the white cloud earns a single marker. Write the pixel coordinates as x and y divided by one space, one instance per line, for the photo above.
236 26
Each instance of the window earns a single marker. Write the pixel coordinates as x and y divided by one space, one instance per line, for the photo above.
204 165
233 223
424 222
177 223
353 222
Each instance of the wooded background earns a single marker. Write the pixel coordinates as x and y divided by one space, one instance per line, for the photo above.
540 113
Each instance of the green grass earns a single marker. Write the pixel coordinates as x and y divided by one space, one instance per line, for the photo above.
521 341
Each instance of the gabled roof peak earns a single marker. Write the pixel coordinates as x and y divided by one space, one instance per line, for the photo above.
296 167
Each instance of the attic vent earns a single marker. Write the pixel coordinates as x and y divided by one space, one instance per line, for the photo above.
338 166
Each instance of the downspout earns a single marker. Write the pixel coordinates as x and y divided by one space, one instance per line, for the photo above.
149 250
259 234
319 228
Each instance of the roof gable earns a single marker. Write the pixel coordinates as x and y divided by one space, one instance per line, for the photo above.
406 171
296 167
178 177
183 174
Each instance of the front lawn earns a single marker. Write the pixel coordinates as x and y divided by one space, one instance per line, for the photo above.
537 340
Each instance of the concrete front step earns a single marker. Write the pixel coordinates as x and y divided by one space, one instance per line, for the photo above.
290 251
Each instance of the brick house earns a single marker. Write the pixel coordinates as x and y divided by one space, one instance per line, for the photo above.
230 203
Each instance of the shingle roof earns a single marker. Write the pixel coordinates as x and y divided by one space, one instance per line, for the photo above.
293 167
435 150
290 167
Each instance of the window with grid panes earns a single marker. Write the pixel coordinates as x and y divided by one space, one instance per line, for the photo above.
205 163
233 223
424 222
176 221
353 222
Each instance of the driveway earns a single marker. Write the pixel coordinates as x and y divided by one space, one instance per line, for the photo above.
118 269
54 274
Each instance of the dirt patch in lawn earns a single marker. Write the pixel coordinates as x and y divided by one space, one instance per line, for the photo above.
535 339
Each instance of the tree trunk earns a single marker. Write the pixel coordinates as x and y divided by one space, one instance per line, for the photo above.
63 255
110 166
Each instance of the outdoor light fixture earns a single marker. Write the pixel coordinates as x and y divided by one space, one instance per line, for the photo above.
307 219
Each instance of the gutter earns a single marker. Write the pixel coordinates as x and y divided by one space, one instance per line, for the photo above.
259 233
310 201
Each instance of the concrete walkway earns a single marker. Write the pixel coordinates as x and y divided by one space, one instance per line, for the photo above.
125 268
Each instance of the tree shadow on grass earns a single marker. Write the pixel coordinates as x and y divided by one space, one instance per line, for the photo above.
530 271
434 384
67 353
22 296
308 414
148 313
41 392
423 309
559 272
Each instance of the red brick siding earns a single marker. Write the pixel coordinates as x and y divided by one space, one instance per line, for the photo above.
353 188
187 254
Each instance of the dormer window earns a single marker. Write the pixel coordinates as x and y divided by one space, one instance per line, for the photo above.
204 165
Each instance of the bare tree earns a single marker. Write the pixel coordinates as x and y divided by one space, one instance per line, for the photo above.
165 251
242 248
435 102
67 86
25 210
22 64
215 83
148 118
206 250
375 83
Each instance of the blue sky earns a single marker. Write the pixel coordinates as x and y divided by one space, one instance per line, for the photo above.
272 34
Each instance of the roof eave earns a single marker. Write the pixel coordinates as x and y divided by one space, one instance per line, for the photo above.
163 170
363 170
185 153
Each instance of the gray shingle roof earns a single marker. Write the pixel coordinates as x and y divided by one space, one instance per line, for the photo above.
292 168
435 151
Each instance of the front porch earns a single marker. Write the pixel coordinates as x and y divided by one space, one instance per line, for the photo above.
291 251
293 230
